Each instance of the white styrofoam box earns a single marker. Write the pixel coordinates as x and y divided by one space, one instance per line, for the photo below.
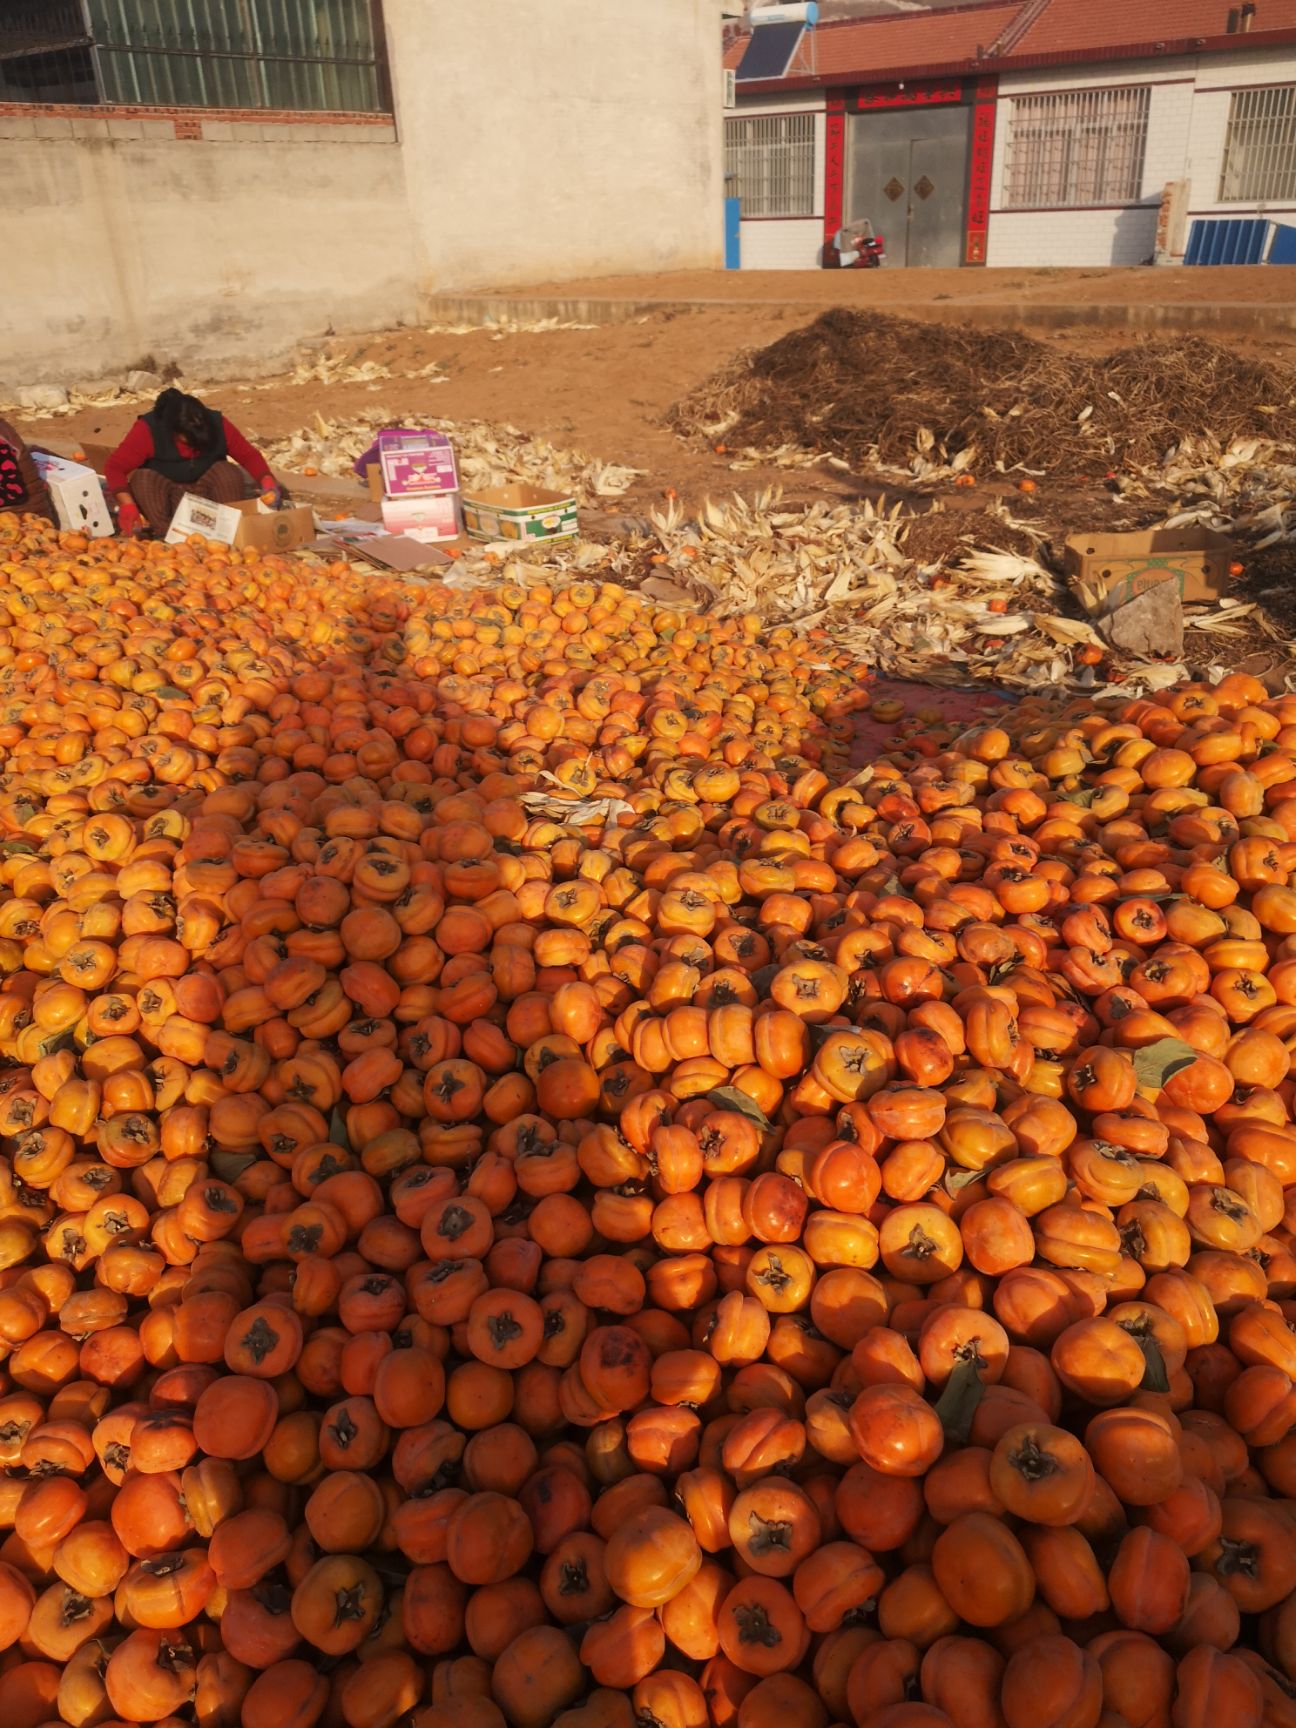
436 512
78 495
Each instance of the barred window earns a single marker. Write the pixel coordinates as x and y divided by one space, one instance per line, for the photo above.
769 163
1076 147
306 55
45 52
1260 147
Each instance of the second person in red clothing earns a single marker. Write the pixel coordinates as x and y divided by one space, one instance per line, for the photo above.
181 446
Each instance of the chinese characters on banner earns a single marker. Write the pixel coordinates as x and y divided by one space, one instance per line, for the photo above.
834 164
980 169
920 95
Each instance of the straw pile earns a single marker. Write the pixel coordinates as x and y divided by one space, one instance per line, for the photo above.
872 391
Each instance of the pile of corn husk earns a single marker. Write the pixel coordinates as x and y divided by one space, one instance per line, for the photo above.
1247 488
498 328
979 614
332 366
108 396
329 366
971 613
487 455
966 615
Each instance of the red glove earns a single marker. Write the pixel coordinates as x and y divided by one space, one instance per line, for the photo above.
129 520
271 491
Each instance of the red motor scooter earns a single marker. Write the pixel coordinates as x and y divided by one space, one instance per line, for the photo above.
859 248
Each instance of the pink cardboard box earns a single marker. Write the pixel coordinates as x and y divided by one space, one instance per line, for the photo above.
435 513
416 462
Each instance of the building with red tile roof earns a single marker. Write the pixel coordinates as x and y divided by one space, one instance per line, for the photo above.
1016 132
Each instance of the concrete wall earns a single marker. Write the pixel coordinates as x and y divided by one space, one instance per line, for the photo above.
548 139
535 140
121 240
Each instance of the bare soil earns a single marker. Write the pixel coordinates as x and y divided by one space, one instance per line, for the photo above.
606 390
908 290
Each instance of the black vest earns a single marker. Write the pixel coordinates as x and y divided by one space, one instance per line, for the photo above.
167 461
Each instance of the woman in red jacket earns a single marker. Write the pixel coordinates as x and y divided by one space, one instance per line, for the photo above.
181 446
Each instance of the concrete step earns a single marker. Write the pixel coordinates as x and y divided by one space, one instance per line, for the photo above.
485 310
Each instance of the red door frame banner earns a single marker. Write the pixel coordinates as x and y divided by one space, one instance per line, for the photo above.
985 96
834 164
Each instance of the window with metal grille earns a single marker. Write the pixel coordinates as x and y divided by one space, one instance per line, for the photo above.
1260 147
45 52
769 163
1076 147
306 55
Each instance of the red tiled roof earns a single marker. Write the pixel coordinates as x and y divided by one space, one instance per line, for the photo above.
999 32
1078 26
886 45
881 46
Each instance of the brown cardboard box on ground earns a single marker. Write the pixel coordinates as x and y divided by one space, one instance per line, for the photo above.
245 524
1106 570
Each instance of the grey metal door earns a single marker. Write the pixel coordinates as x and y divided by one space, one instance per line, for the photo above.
908 176
937 196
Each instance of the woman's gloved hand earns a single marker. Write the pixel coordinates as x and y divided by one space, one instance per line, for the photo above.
271 491
129 520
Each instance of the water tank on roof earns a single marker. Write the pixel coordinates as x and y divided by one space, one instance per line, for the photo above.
806 13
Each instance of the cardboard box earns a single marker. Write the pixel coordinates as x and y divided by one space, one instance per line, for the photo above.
1109 569
249 523
433 514
396 552
416 462
371 454
516 512
78 495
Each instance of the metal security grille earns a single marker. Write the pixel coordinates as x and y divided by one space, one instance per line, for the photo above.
1260 147
45 52
1076 147
307 55
769 163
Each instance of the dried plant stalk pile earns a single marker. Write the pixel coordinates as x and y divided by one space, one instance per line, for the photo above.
869 390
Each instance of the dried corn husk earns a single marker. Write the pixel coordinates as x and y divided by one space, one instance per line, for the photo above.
487 455
498 328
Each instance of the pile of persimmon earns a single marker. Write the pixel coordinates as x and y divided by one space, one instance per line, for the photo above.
533 1192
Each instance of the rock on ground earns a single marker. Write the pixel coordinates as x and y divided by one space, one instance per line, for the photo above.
1149 624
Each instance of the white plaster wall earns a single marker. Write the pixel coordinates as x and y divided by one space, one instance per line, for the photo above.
120 241
802 101
550 139
1093 237
777 244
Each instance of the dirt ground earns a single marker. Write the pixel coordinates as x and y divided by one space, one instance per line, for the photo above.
604 390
